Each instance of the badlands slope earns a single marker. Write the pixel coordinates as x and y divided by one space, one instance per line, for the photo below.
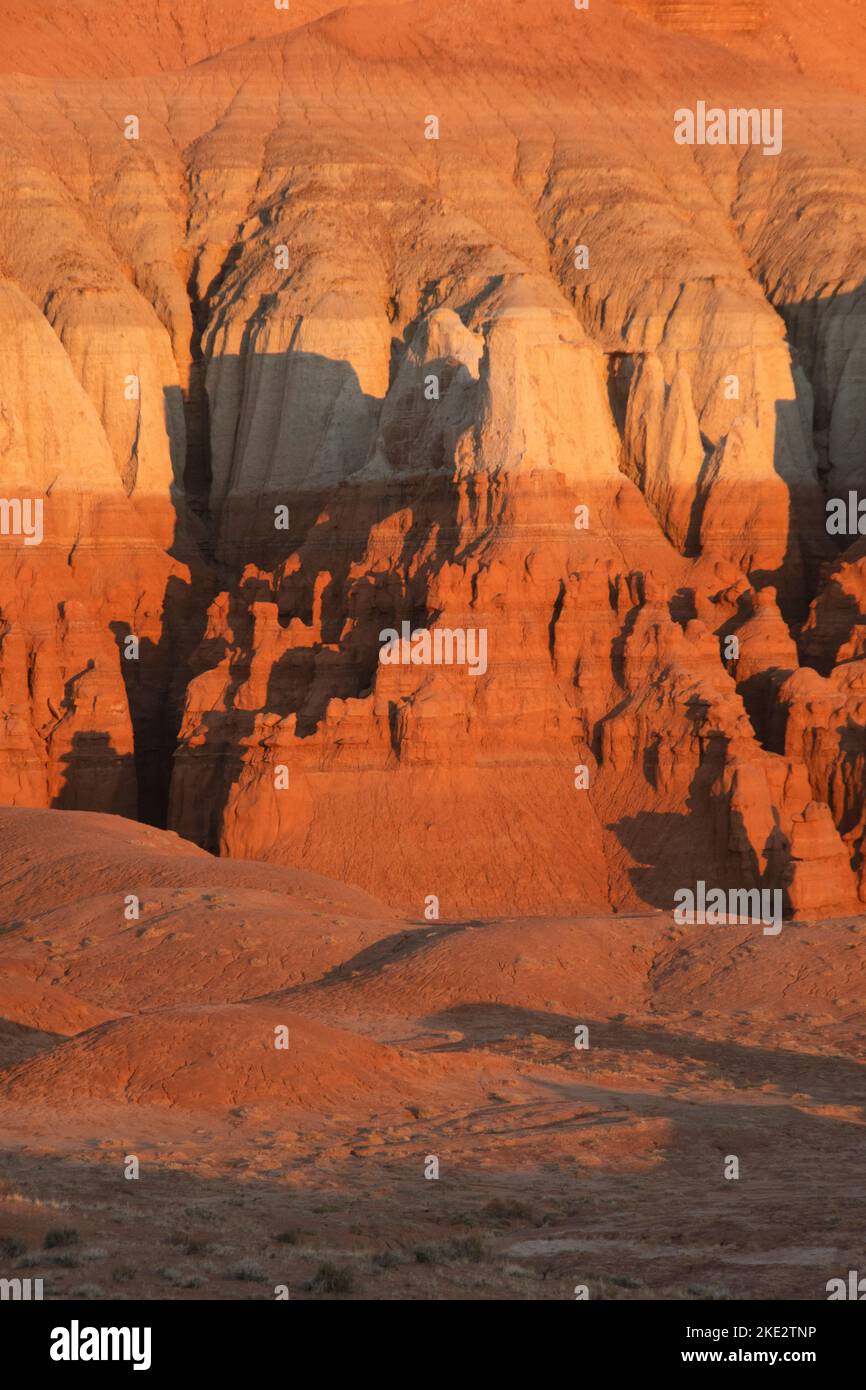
154 1038
240 310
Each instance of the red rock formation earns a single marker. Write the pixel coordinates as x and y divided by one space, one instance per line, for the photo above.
286 374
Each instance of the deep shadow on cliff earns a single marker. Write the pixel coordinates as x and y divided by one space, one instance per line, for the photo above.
307 564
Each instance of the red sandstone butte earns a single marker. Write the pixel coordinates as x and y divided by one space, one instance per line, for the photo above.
242 310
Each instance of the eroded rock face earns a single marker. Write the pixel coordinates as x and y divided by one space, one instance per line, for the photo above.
286 374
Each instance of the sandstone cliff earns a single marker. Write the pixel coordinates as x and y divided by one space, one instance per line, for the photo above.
322 321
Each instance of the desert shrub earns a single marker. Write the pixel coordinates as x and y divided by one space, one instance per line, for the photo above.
60 1235
190 1245
388 1259
504 1210
331 1278
181 1279
466 1248
248 1271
